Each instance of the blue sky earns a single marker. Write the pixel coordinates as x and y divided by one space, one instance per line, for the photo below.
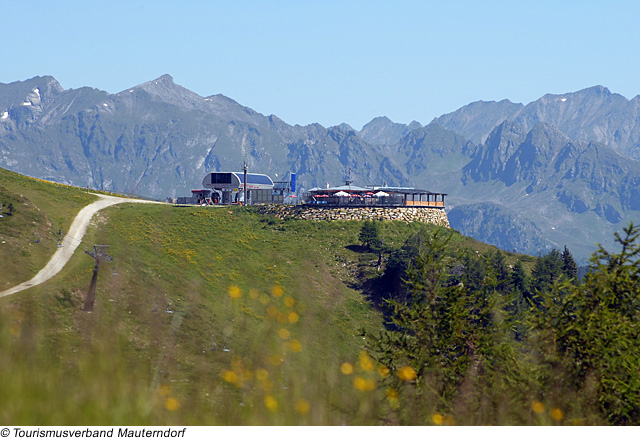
330 61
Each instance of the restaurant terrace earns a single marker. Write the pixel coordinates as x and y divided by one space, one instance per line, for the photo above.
376 196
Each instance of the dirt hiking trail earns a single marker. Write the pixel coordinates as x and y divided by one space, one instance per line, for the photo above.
70 241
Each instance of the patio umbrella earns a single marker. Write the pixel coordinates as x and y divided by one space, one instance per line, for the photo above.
342 194
381 194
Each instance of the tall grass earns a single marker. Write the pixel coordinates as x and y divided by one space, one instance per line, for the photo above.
277 300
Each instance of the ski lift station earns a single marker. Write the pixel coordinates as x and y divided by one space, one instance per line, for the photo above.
226 188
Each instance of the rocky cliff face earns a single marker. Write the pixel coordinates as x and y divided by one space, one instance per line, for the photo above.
594 114
158 139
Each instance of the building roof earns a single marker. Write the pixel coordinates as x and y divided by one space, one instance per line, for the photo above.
404 190
388 189
256 179
351 188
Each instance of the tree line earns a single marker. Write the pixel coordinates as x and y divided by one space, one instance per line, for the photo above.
487 339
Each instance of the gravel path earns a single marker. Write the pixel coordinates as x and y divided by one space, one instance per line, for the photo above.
70 242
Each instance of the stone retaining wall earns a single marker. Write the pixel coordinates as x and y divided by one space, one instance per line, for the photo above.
437 216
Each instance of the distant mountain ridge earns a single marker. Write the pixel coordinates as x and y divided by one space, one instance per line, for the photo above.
525 177
593 114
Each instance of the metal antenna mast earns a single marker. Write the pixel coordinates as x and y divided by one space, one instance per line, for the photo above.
245 184
99 253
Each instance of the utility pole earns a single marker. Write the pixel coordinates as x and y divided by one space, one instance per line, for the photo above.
245 184
99 252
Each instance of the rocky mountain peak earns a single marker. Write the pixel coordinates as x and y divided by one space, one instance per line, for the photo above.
476 120
546 138
491 160
346 128
383 131
414 125
29 92
166 90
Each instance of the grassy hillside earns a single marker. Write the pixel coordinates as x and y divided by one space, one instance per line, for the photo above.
204 316
33 213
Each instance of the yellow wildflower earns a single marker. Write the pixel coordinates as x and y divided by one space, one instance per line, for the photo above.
365 361
289 302
437 419
284 333
346 368
407 373
556 414
302 406
537 407
277 291
164 389
296 346
383 371
293 317
449 420
262 374
272 311
392 395
271 403
275 360
235 292
230 376
171 404
362 384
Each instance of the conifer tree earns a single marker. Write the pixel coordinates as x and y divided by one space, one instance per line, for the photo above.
569 267
593 328
370 235
547 271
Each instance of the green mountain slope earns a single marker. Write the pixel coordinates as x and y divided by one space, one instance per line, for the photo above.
35 214
204 316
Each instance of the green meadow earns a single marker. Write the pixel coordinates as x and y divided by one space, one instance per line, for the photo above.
222 316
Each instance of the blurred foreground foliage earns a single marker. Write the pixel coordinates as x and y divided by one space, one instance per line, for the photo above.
491 344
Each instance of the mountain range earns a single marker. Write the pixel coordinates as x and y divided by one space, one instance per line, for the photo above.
562 170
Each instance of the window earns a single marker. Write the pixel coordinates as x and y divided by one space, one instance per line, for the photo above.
221 178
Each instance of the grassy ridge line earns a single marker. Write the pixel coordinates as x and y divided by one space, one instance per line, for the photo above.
6 173
69 243
42 213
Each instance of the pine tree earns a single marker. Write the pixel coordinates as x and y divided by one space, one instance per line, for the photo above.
499 266
520 284
593 328
547 271
370 235
569 267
